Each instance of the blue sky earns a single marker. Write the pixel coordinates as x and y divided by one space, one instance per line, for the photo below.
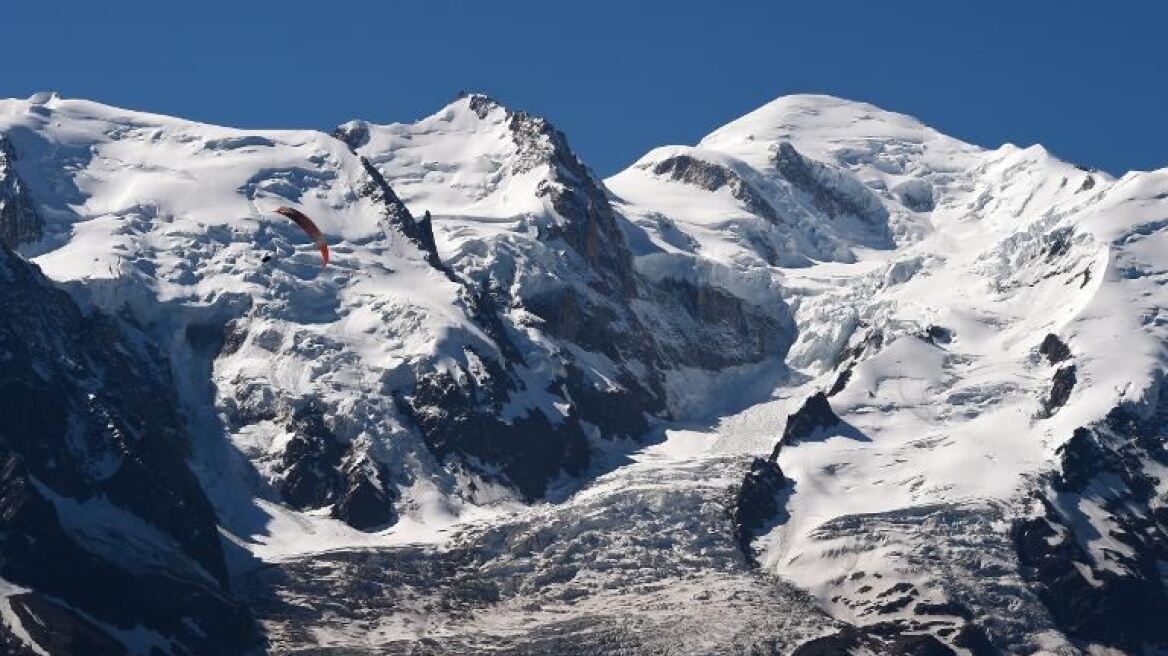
1088 80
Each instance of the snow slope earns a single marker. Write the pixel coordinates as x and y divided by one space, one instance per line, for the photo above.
516 407
937 339
169 220
338 389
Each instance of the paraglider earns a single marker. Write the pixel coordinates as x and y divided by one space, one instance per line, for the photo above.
310 229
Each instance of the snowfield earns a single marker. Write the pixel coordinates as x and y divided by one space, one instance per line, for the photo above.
515 413
169 220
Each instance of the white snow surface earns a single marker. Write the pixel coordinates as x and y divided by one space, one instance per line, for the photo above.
958 422
998 246
169 219
465 169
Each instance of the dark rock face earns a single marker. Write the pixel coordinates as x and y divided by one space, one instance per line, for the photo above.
233 143
668 325
1113 596
1054 349
319 471
833 194
938 335
55 628
943 608
885 638
713 177
704 315
618 411
99 515
590 299
870 344
973 638
841 643
466 419
1062 385
316 469
841 382
757 503
397 217
815 415
1057 243
367 503
574 316
353 134
395 214
896 598
591 228
310 477
19 221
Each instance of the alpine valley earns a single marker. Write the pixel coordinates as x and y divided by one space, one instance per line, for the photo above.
827 382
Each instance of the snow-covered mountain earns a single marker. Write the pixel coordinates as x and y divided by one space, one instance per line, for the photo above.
827 382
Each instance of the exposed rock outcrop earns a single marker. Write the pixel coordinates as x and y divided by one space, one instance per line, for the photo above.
888 638
807 422
938 334
712 177
841 381
1112 591
573 281
19 221
1054 349
102 521
834 193
397 216
1062 384
590 226
464 417
757 503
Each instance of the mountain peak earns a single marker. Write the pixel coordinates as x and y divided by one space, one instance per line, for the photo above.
43 97
480 167
480 103
474 157
342 417
820 125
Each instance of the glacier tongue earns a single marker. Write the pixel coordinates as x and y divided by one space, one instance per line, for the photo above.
519 406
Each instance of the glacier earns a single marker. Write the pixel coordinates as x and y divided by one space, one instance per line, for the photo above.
826 382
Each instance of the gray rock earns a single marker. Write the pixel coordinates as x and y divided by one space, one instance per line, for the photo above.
758 502
19 221
1062 384
93 447
1054 349
713 177
833 193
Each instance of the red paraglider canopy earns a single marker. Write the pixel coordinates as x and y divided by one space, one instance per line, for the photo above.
309 228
